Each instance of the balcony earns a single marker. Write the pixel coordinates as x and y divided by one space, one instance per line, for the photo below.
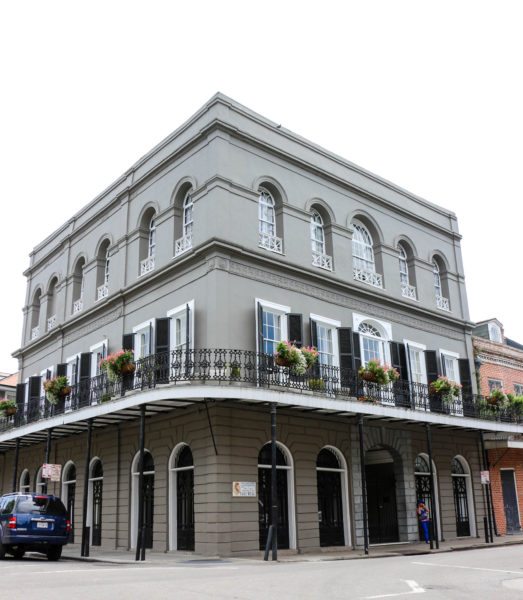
102 292
258 372
35 332
368 277
442 303
147 265
182 245
324 261
51 323
408 291
271 243
78 306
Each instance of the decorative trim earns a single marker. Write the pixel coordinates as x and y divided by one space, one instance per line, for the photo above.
93 326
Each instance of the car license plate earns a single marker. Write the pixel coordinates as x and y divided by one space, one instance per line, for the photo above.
41 525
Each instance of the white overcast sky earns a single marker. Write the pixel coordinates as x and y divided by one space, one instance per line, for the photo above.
425 94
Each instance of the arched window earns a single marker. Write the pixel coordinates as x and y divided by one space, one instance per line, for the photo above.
407 290
188 215
267 222
51 304
441 301
148 498
286 519
152 238
102 275
373 345
78 286
69 494
148 245
463 500
40 482
35 314
319 250
94 501
181 498
363 263
25 482
424 489
331 477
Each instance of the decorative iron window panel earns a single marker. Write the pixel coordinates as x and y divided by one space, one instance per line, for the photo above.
368 277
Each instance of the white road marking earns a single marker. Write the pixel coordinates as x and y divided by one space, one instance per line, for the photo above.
414 589
123 567
468 568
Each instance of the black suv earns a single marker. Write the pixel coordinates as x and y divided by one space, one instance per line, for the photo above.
34 522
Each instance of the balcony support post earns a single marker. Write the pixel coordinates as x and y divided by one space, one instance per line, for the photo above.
488 491
47 456
14 487
434 538
140 542
363 487
85 530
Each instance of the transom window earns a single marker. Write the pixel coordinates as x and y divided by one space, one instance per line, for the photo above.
372 343
421 465
187 215
152 238
362 248
456 467
404 269
266 213
317 233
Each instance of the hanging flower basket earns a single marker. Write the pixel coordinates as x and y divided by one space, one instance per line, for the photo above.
118 364
375 372
445 387
8 407
56 389
497 398
298 360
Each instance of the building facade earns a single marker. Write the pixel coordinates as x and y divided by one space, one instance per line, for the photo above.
229 236
500 367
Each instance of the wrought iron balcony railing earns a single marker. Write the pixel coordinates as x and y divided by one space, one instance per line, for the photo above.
182 245
324 261
369 277
251 369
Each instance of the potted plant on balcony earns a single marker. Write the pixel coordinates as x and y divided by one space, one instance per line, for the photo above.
316 384
445 387
375 372
289 355
497 398
7 407
311 355
515 405
118 364
56 389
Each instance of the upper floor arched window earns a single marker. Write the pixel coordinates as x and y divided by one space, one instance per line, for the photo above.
363 263
187 215
51 304
407 289
442 301
317 233
35 314
102 275
267 222
148 244
78 285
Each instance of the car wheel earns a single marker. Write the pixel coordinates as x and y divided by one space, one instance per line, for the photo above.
2 551
18 554
54 553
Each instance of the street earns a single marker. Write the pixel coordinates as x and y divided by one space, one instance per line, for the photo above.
480 574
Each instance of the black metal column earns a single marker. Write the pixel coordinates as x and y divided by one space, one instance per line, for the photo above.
14 487
363 487
47 456
433 528
274 486
85 530
490 515
140 542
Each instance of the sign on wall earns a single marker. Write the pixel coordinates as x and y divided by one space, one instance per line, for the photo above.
244 489
52 472
485 477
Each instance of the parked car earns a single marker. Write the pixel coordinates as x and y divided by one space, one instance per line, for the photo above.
33 522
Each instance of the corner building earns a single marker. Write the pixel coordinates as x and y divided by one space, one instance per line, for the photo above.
230 235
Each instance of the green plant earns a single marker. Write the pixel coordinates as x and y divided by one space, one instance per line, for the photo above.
316 384
105 397
56 389
118 364
515 404
311 355
497 397
8 407
445 387
375 372
289 355
235 371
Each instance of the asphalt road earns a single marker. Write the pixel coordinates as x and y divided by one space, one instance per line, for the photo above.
495 573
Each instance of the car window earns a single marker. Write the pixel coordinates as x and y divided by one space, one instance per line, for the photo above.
8 506
41 505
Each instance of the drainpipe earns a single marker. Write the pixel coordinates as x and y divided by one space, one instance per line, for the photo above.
85 530
434 520
363 487
14 487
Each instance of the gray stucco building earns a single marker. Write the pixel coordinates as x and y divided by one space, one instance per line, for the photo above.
231 235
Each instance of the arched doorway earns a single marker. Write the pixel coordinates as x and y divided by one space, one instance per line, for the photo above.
381 497
423 489
69 493
463 501
25 482
285 528
94 501
332 497
181 477
148 498
40 482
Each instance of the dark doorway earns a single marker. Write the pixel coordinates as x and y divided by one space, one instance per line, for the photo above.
264 497
330 503
185 500
459 486
97 483
510 501
381 503
70 483
148 498
423 491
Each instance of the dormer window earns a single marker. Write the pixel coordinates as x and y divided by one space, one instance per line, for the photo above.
494 333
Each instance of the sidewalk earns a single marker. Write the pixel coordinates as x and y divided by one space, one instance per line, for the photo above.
72 552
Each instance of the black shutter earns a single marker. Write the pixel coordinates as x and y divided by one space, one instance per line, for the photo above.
346 355
20 403
128 341
161 350
260 328
48 374
356 362
398 357
33 407
188 327
431 363
465 376
314 342
61 369
85 366
84 380
295 325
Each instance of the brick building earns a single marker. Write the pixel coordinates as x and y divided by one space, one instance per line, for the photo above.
499 366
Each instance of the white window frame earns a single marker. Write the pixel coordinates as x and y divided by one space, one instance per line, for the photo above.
455 356
103 345
69 372
384 326
266 226
515 487
281 309
366 243
188 216
137 330
151 239
470 492
173 492
135 492
422 348
172 314
317 227
333 325
494 332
